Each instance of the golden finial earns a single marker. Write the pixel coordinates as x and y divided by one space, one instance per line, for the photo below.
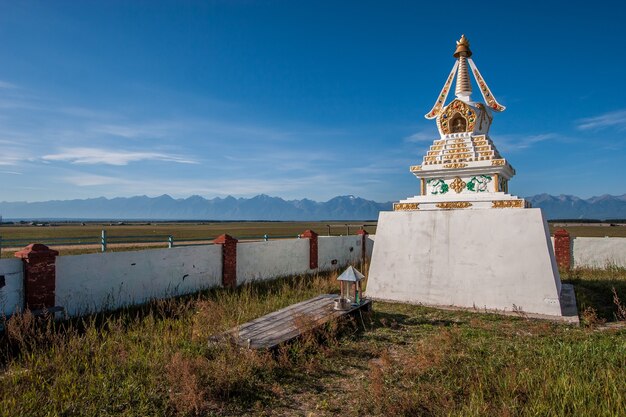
462 48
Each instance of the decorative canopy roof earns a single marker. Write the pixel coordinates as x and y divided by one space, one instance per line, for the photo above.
463 88
351 274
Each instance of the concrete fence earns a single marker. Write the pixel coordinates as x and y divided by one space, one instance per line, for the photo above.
11 285
89 283
83 284
588 252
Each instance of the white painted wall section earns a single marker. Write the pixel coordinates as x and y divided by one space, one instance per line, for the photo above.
498 259
369 245
105 281
271 259
12 293
599 252
344 249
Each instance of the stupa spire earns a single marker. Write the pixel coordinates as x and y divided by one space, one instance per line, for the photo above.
461 69
463 84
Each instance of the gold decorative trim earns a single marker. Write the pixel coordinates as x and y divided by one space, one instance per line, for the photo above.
447 113
454 205
484 89
405 206
458 165
508 204
457 155
458 145
458 185
416 168
441 99
498 162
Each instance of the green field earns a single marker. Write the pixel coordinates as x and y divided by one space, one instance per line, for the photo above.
90 232
401 360
207 231
592 230
190 230
181 230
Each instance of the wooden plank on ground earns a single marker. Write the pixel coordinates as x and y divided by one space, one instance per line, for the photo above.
287 316
287 323
277 315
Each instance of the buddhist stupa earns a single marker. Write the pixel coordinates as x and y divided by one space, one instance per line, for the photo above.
464 241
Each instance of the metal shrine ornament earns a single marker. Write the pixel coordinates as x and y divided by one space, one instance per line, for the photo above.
351 292
463 83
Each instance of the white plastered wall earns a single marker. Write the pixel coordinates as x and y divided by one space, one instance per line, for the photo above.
104 281
12 293
344 250
599 252
369 245
271 259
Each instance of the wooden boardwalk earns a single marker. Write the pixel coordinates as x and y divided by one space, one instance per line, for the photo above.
269 331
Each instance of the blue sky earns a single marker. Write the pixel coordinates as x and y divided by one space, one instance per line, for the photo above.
298 99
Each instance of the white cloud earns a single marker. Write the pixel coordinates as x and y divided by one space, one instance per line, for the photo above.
426 135
92 156
139 130
615 119
90 180
120 186
12 156
7 85
512 143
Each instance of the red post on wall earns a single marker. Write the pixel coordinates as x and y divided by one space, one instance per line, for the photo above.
563 249
313 257
363 235
229 260
39 275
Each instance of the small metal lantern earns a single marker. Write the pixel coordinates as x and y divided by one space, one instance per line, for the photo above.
350 289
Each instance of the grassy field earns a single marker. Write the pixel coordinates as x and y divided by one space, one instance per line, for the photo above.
90 232
180 231
400 360
592 230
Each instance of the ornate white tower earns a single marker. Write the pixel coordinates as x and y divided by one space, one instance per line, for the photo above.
464 241
463 169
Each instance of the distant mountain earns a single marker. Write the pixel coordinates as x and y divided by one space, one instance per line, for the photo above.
264 207
261 207
571 207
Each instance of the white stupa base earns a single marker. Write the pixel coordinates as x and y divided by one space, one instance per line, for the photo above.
490 260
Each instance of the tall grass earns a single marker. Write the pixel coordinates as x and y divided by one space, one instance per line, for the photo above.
143 361
410 360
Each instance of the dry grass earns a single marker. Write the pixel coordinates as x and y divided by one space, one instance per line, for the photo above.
409 361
